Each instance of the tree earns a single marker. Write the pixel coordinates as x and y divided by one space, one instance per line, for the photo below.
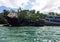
6 12
19 10
38 12
32 11
51 13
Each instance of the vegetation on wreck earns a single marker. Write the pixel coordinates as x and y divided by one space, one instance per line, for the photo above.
24 17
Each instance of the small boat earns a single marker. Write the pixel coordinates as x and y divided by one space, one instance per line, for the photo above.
52 20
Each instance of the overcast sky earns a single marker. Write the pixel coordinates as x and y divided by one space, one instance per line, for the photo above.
41 5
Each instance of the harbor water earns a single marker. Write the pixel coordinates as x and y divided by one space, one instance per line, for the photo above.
30 34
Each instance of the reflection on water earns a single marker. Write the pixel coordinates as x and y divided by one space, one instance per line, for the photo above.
30 34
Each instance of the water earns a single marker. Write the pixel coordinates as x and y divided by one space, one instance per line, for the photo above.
30 34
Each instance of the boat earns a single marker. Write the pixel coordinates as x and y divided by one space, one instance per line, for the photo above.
52 20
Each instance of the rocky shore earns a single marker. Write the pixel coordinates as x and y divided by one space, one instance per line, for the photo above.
24 22
14 20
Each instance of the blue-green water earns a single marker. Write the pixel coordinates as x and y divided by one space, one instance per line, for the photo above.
30 34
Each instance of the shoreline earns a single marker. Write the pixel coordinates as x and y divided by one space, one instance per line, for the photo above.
19 25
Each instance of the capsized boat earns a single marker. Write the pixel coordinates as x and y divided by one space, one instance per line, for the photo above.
52 20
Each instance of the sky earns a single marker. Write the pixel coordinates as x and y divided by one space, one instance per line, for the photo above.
43 6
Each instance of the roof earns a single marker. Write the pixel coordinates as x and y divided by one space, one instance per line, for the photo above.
13 15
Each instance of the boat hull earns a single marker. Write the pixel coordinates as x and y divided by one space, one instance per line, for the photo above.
52 24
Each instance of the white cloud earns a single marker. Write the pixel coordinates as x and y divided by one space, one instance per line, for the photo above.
41 5
13 3
47 5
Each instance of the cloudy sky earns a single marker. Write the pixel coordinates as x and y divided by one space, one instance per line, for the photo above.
41 5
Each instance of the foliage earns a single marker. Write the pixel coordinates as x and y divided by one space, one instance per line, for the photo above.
51 13
27 14
5 12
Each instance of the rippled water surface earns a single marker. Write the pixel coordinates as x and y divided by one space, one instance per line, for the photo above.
30 34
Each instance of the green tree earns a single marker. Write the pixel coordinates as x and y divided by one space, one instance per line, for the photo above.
19 10
38 12
6 12
32 11
51 13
